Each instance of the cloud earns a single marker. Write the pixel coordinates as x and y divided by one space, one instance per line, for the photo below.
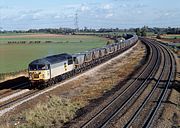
109 15
71 6
139 12
114 12
84 8
106 6
16 15
166 14
29 14
31 11
140 5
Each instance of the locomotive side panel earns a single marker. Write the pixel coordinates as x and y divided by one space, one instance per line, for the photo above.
61 68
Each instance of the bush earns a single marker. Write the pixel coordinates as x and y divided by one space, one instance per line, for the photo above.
54 113
108 42
48 41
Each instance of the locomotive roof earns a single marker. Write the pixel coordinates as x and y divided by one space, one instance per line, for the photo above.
52 59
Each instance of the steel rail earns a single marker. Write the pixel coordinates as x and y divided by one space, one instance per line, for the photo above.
137 113
17 99
129 100
22 86
152 114
105 108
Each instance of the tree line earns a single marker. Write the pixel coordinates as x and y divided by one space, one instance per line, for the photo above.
139 31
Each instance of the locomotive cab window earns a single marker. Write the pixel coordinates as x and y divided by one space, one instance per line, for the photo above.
43 67
70 61
74 58
32 67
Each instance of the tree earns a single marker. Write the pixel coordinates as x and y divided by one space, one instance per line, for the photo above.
141 31
144 31
138 31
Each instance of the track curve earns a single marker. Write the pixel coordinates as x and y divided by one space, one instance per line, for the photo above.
160 64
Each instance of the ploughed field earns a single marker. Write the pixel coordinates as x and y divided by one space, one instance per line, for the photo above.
17 50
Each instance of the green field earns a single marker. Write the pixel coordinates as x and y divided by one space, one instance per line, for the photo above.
15 57
14 34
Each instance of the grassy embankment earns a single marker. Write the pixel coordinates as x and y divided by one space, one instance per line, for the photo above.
54 113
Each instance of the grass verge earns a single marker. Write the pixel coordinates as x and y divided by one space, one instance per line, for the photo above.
54 113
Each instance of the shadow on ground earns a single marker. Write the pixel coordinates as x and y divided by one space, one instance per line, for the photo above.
13 83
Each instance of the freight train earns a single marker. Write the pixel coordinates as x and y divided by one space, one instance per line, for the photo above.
53 69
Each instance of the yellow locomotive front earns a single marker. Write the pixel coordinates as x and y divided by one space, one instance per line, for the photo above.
39 73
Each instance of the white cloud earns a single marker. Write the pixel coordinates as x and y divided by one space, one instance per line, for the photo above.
109 15
37 16
70 16
140 5
57 17
107 6
105 12
166 14
72 6
139 12
84 8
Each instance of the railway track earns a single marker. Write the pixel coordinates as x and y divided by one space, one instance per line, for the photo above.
161 64
167 75
15 89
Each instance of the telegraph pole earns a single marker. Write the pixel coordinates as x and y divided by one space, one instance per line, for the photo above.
76 21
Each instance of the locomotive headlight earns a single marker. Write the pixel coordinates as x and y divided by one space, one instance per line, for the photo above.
43 76
31 75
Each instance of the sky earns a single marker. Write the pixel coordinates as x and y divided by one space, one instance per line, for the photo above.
31 14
